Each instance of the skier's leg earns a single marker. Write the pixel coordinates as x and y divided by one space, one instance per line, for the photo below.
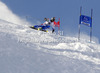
53 30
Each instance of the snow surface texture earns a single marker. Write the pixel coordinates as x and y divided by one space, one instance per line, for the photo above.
24 50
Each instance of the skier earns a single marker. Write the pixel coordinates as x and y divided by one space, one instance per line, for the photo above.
48 22
52 24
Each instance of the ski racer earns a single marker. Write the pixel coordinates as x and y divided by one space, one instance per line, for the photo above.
48 22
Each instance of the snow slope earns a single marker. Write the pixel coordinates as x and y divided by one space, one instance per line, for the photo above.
24 50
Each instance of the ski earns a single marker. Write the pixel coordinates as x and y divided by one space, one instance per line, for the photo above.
40 29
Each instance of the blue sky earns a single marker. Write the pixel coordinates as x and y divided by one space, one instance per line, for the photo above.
67 10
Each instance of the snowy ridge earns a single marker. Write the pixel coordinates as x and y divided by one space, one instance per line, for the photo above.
24 50
77 50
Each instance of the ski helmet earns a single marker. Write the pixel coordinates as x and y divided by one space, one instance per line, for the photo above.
45 19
